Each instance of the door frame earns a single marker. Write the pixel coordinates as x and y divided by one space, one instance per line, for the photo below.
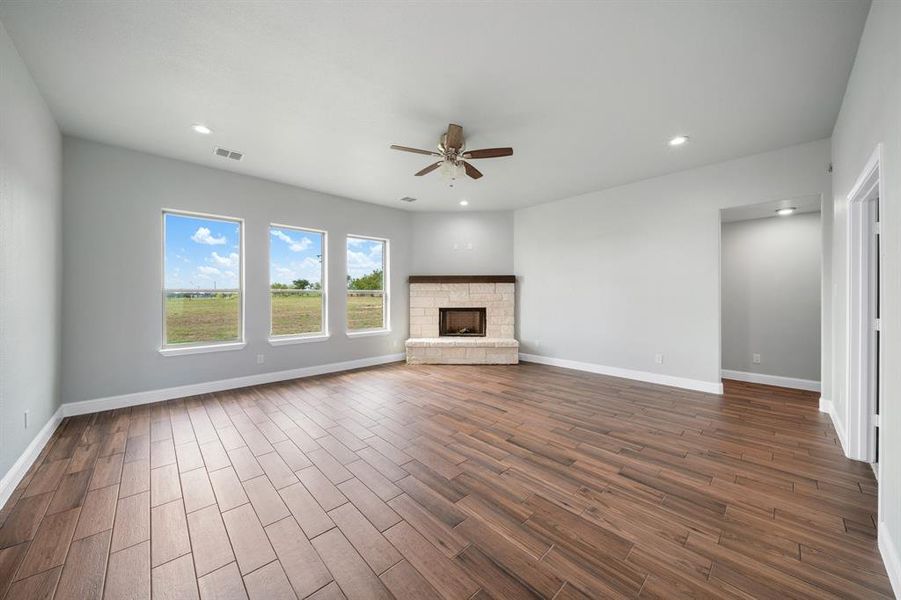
861 352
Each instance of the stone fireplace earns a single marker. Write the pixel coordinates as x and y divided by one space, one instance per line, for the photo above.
458 319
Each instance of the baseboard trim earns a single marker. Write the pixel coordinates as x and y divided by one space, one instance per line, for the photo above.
182 391
788 382
646 376
828 407
891 557
26 459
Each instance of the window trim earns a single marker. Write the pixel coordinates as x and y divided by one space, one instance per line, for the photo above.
386 286
288 340
299 338
195 349
207 346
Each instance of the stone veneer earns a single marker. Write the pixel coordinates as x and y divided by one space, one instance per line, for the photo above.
497 347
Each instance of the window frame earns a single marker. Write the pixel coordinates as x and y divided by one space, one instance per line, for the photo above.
299 338
385 329
208 346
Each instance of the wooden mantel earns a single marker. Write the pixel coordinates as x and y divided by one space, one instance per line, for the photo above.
462 278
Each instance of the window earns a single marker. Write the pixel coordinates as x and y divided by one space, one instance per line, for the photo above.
367 270
202 299
297 282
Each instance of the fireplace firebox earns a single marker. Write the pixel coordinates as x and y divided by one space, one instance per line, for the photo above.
461 322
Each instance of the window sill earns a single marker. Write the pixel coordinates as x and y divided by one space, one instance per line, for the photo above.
368 333
298 339
179 351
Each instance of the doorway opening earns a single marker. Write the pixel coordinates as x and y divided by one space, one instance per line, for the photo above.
771 293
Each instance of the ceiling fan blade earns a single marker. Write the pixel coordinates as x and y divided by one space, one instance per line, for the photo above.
488 153
414 150
454 137
429 169
471 170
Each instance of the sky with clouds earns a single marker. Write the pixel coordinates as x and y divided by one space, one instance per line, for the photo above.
202 253
294 254
363 256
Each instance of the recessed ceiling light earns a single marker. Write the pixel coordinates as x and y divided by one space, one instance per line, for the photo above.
201 128
784 212
678 140
464 202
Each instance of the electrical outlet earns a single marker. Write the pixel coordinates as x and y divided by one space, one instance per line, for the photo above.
658 358
755 358
261 358
26 419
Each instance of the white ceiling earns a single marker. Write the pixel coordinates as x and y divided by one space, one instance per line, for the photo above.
802 204
587 93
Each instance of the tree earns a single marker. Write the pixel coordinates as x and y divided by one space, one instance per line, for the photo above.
279 286
301 284
372 281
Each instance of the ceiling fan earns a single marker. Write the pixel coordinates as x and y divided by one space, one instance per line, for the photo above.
453 154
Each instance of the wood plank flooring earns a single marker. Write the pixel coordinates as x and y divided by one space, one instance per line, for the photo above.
447 482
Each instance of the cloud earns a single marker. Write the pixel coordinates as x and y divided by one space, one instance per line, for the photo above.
284 273
295 245
361 263
309 268
205 271
203 236
229 262
222 279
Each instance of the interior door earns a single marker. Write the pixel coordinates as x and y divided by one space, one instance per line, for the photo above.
875 252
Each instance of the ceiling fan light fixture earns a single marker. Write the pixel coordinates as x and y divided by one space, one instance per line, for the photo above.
451 170
454 157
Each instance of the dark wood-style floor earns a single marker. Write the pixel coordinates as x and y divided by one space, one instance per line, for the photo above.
454 482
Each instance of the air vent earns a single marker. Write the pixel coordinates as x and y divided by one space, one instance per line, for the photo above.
226 153
407 199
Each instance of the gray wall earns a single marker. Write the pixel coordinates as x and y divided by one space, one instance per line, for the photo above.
771 295
112 282
614 277
463 243
30 259
870 114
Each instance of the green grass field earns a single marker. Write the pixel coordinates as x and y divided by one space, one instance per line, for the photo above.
364 312
216 319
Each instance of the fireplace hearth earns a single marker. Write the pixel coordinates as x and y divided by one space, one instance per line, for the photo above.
461 322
